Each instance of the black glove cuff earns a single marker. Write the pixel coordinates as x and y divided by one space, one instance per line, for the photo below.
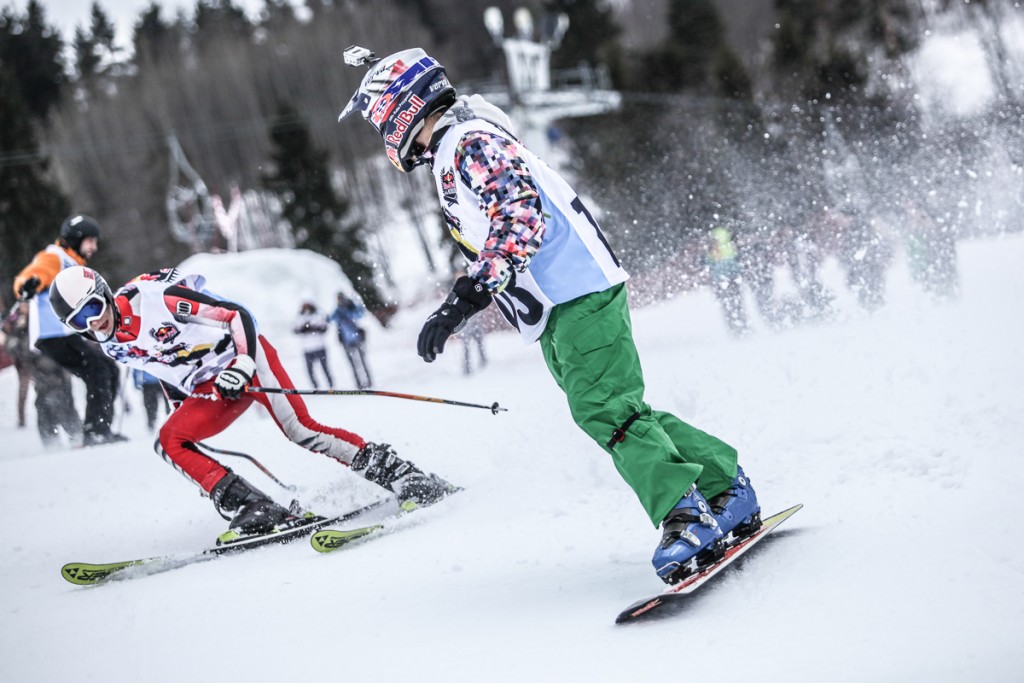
469 296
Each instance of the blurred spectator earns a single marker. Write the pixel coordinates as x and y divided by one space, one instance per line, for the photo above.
726 278
757 258
865 254
55 407
554 135
311 326
352 337
14 341
77 243
152 395
931 252
805 254
473 335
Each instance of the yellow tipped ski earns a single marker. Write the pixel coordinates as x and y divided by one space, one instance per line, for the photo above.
230 542
85 574
327 540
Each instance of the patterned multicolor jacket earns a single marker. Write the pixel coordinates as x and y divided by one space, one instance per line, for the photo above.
526 233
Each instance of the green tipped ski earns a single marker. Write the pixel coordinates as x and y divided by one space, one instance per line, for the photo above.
327 540
86 574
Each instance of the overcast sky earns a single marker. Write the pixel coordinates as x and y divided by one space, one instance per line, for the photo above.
69 14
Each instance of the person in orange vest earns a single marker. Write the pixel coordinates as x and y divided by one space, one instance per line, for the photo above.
78 242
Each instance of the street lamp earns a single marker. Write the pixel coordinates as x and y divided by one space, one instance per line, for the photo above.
524 23
495 24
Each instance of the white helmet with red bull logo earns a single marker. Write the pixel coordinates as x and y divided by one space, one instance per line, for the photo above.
396 97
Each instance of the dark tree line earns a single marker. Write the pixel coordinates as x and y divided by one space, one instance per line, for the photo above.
254 102
31 80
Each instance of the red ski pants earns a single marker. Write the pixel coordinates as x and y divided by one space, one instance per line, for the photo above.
203 415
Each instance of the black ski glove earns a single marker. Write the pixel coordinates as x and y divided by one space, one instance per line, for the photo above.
468 297
29 288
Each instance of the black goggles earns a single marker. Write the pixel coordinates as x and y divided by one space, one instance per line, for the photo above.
418 153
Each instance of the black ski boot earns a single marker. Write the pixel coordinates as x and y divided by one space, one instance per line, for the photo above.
380 464
254 512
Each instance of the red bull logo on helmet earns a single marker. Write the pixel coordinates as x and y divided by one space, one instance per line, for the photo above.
400 124
403 120
393 157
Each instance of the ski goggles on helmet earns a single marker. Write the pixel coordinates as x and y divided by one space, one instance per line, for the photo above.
91 308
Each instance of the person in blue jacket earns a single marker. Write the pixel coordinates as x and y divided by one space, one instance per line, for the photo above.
352 337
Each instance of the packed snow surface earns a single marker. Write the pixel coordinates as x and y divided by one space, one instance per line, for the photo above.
901 432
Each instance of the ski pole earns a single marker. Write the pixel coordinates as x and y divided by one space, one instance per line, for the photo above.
494 407
251 459
13 310
125 408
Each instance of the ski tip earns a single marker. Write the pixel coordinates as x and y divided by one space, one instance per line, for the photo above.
638 608
83 574
780 517
326 540
69 573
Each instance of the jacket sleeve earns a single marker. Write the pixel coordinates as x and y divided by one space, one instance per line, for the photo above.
194 307
492 167
44 266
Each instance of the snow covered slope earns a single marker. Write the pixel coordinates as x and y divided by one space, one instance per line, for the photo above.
900 432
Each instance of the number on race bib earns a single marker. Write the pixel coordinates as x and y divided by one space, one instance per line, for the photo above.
577 204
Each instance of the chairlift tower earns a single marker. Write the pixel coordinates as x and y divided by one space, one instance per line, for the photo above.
189 210
534 100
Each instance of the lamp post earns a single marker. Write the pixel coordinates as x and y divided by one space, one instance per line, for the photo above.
528 59
534 103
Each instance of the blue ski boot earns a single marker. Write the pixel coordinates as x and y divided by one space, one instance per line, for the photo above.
736 509
690 535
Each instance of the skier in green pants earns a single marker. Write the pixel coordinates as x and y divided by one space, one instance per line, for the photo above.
536 251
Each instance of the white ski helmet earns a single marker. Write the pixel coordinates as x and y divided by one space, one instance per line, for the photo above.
396 97
80 295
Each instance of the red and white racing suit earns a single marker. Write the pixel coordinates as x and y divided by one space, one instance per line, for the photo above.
171 328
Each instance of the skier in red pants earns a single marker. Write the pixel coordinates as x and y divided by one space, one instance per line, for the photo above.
209 349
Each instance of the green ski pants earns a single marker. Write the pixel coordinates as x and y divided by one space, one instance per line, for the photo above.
588 346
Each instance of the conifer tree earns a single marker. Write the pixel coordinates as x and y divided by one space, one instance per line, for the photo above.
696 55
31 51
31 205
153 38
592 36
319 217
